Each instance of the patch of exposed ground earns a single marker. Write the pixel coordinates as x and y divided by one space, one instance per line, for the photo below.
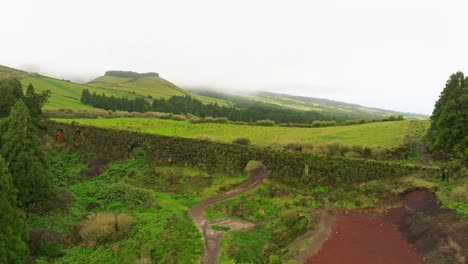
437 234
212 237
411 228
359 238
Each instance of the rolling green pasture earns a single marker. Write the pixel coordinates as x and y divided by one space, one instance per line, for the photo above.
381 134
65 94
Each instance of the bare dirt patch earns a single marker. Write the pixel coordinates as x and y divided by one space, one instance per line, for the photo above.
437 234
358 238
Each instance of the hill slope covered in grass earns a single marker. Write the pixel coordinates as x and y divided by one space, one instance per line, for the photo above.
66 94
302 103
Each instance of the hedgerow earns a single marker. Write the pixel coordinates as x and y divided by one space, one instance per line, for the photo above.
288 167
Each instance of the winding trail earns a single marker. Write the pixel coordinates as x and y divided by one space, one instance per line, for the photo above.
212 237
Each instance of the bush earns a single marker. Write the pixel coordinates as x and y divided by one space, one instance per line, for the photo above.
290 217
265 123
241 141
352 154
460 194
104 227
127 194
299 146
45 243
206 138
319 123
60 200
353 122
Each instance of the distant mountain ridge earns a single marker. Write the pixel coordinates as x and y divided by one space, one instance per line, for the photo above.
303 103
130 74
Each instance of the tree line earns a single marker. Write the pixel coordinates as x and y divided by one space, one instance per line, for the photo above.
190 105
24 174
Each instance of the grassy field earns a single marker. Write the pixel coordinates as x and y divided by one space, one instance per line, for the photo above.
66 94
382 134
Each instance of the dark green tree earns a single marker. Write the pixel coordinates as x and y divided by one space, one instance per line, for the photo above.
10 92
21 148
449 127
35 102
13 231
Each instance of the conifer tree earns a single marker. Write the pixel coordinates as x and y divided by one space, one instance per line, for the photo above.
13 228
449 127
21 149
34 102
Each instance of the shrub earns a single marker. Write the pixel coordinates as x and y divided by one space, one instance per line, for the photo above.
299 146
127 194
60 200
319 123
206 138
379 153
353 122
103 227
45 243
460 194
352 154
289 217
265 123
241 141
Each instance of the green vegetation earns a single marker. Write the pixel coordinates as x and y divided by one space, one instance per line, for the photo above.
341 110
146 230
373 135
448 131
13 231
12 92
153 86
22 150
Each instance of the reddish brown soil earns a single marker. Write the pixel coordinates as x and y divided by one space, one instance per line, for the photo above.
358 238
438 234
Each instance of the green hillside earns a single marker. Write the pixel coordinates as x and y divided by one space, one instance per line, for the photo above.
353 111
147 86
66 94
310 103
7 72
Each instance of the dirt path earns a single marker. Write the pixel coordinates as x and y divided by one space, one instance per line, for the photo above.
358 238
212 237
426 158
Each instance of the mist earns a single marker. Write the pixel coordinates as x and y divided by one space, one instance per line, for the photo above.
394 55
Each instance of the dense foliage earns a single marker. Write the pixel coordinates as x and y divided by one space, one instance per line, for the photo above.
295 169
449 128
190 105
22 150
138 104
11 92
13 231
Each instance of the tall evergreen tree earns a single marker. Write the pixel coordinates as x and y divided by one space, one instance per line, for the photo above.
449 128
10 91
13 228
34 102
21 149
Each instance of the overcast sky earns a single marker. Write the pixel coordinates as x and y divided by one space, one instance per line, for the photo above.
391 54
